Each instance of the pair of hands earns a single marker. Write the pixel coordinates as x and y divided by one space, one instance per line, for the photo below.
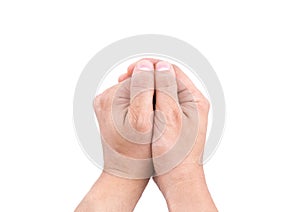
152 123
154 120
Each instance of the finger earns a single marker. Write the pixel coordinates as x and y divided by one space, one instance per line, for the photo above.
167 109
141 95
132 109
190 98
186 81
103 101
123 77
165 86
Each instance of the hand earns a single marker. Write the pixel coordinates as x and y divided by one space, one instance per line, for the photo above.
125 117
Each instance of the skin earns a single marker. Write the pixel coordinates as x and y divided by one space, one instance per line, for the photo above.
111 193
184 187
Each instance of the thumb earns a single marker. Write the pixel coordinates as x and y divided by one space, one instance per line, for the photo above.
133 104
142 87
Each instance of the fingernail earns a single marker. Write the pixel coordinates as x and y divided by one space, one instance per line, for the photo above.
144 65
163 66
122 77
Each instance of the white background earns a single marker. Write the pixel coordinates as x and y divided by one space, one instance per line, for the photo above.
254 47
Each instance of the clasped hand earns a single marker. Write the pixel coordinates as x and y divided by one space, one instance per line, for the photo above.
152 123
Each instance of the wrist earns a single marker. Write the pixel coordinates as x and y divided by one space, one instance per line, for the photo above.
118 188
112 193
185 189
185 173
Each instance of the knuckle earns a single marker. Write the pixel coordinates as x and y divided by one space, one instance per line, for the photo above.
107 97
142 124
104 101
96 102
139 120
101 102
203 105
202 102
